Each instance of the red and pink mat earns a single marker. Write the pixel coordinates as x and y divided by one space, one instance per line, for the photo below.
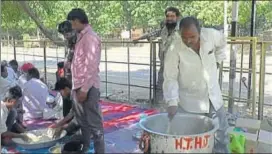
116 117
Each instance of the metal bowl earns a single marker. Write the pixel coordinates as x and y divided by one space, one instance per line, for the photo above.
39 145
50 99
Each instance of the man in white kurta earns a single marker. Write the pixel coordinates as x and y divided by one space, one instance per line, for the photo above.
35 97
190 75
12 76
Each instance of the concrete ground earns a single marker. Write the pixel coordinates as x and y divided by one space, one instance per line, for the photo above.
139 74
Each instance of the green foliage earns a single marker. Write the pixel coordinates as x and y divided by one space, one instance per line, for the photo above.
106 16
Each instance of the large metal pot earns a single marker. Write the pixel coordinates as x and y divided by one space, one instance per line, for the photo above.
188 133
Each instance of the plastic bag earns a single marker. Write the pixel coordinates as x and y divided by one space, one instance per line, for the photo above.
237 143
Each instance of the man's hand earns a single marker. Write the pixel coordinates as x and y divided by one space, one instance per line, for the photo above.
81 96
58 132
24 137
54 131
172 110
55 125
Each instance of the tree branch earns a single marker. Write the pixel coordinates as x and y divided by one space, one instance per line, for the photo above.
44 30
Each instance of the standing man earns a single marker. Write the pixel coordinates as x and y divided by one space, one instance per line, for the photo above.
70 35
191 82
86 81
167 31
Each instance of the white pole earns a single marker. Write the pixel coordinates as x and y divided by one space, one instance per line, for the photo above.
233 51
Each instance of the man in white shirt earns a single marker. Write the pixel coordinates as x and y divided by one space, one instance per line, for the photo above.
9 101
4 83
17 112
24 68
35 94
4 86
13 71
191 76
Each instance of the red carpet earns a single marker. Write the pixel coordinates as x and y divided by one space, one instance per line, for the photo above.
116 115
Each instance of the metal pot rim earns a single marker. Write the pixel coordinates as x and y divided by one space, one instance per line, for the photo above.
163 134
45 142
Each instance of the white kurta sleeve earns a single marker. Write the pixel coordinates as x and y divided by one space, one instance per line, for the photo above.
3 127
220 43
171 71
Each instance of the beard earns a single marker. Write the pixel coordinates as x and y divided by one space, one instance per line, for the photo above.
71 39
170 25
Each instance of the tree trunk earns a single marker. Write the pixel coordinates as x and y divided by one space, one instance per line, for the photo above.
44 30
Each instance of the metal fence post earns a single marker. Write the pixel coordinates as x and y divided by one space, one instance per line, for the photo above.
128 59
241 71
44 61
154 72
57 55
106 70
150 72
14 48
252 33
254 46
261 81
232 75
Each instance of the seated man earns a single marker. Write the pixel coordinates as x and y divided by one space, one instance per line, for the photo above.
35 93
64 87
9 101
24 68
4 83
13 71
4 62
18 110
